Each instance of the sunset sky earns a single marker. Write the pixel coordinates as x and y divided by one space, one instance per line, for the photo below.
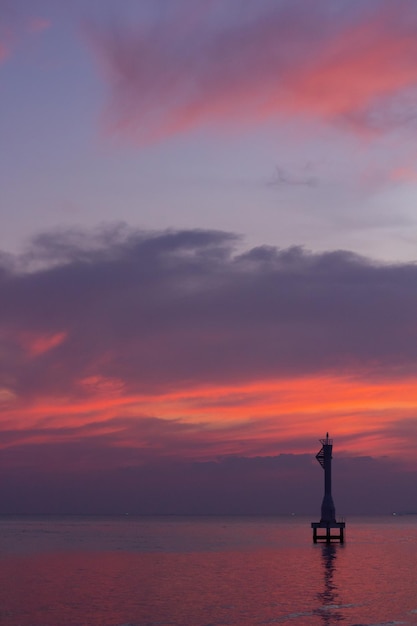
208 254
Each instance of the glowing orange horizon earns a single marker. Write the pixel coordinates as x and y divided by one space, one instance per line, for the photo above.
271 415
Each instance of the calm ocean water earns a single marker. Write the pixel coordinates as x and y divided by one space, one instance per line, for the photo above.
205 572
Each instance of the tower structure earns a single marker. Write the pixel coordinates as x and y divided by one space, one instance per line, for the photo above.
328 513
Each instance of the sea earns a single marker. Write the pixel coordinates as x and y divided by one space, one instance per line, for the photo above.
205 571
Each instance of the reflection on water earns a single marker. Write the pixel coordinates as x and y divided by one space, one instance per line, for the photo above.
329 596
196 571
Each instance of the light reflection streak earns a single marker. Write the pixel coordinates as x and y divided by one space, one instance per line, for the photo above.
329 597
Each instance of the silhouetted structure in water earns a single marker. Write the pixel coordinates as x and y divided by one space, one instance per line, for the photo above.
328 512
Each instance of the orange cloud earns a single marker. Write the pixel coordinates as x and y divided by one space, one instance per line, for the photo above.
256 419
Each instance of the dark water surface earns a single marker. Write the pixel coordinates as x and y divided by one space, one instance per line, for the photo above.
205 572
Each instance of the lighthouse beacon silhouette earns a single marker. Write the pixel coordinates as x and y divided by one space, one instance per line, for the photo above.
328 512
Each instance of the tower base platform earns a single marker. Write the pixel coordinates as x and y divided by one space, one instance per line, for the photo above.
332 531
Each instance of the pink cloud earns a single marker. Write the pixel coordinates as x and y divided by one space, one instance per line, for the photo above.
7 38
404 174
4 52
13 29
360 72
287 61
39 24
37 345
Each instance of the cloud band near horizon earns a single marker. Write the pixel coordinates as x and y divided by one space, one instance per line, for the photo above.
175 344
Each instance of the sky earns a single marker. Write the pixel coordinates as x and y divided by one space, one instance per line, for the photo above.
208 254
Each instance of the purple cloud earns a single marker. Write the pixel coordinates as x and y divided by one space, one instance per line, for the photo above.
169 310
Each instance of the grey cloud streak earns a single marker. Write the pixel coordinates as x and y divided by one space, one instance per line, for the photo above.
171 310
